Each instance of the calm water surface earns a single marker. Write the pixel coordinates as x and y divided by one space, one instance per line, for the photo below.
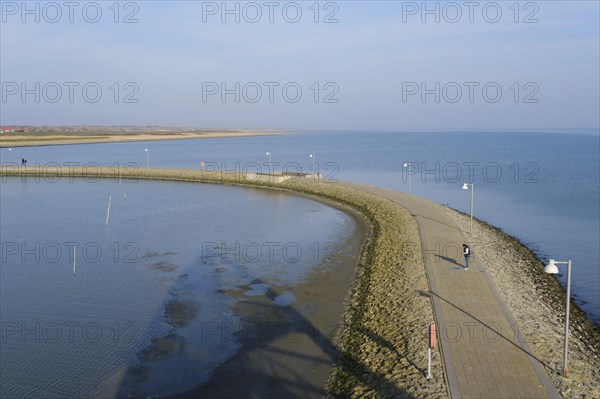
139 315
542 187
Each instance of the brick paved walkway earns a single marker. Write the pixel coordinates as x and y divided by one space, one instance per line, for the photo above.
484 356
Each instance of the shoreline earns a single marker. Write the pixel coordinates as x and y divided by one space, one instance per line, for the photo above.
52 140
528 252
296 339
382 338
295 342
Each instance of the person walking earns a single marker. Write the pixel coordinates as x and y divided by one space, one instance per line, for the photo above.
467 254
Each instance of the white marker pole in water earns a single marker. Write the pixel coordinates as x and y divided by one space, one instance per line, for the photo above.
74 259
108 209
120 181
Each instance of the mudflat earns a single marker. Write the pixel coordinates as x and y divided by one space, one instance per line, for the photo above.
288 350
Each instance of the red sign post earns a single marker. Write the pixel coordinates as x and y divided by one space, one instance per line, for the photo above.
432 345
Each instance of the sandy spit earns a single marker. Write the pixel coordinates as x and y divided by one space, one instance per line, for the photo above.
35 141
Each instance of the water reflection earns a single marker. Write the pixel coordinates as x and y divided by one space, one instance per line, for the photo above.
145 311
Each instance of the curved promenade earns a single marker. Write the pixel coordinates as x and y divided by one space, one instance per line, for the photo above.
484 354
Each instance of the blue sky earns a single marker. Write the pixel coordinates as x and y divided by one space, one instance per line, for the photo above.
367 61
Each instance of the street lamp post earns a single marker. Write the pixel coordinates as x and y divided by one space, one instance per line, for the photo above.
466 187
270 165
314 158
551 268
406 166
147 157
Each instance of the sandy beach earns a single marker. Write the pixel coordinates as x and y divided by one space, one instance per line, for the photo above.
25 140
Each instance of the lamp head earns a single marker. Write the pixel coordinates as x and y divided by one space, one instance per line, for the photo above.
551 268
465 186
267 153
145 149
405 165
310 155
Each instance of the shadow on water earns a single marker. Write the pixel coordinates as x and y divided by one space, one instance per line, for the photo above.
285 355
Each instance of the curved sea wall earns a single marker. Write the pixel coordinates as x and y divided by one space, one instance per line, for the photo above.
383 339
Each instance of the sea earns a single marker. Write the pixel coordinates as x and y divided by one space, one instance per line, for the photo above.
540 186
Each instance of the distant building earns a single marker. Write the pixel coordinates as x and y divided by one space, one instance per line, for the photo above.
7 129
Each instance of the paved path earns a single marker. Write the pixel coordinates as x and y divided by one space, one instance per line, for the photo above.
484 356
